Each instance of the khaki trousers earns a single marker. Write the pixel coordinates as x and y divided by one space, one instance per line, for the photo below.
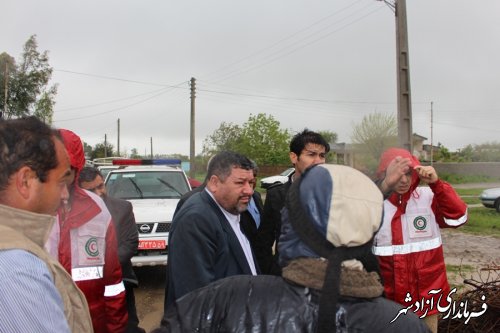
432 322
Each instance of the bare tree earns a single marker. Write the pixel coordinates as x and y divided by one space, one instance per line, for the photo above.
375 133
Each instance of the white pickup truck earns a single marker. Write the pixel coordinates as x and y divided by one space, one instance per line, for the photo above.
153 190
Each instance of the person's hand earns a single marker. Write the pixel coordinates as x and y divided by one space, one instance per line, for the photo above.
427 174
398 167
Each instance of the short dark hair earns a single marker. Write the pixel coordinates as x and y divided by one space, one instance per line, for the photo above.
300 140
26 142
88 174
222 164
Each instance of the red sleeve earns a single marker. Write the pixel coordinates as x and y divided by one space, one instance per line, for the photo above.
114 293
449 208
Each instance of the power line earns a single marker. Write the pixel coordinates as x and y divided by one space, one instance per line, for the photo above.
280 40
290 98
112 110
293 50
108 102
467 127
120 79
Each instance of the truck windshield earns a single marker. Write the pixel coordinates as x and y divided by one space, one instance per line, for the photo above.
147 185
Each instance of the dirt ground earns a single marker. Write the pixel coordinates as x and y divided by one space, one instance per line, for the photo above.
149 296
469 254
469 251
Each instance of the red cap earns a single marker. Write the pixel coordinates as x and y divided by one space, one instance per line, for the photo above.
391 154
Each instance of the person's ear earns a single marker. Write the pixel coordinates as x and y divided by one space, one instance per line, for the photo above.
213 183
24 179
293 157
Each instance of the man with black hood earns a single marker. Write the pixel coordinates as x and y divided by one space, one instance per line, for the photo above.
330 277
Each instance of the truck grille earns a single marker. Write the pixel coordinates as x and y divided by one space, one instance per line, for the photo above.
163 227
148 228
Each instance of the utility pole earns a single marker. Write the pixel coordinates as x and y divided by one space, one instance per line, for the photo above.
118 140
192 136
405 131
105 145
151 143
432 144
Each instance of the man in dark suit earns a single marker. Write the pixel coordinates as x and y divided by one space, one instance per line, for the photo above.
250 219
205 241
121 211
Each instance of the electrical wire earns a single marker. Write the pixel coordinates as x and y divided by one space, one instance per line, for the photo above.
113 110
283 51
280 41
107 102
119 79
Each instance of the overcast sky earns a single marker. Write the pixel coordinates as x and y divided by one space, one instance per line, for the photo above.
321 64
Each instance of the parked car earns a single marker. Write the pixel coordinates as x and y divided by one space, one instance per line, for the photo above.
278 179
153 191
105 169
104 164
491 198
194 182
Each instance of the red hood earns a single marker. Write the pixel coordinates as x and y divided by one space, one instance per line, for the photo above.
74 147
391 154
386 158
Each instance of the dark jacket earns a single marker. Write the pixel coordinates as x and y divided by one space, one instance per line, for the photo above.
270 304
247 223
270 229
126 234
188 195
202 247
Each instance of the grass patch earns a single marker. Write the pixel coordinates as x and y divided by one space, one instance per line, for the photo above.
482 221
470 195
456 275
471 200
464 179
469 191
459 268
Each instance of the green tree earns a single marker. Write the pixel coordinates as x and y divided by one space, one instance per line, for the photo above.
181 157
224 138
134 153
102 150
260 139
486 152
28 90
87 149
331 138
264 141
375 133
7 72
443 154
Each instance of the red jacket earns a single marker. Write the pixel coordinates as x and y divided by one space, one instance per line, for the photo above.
87 249
409 245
